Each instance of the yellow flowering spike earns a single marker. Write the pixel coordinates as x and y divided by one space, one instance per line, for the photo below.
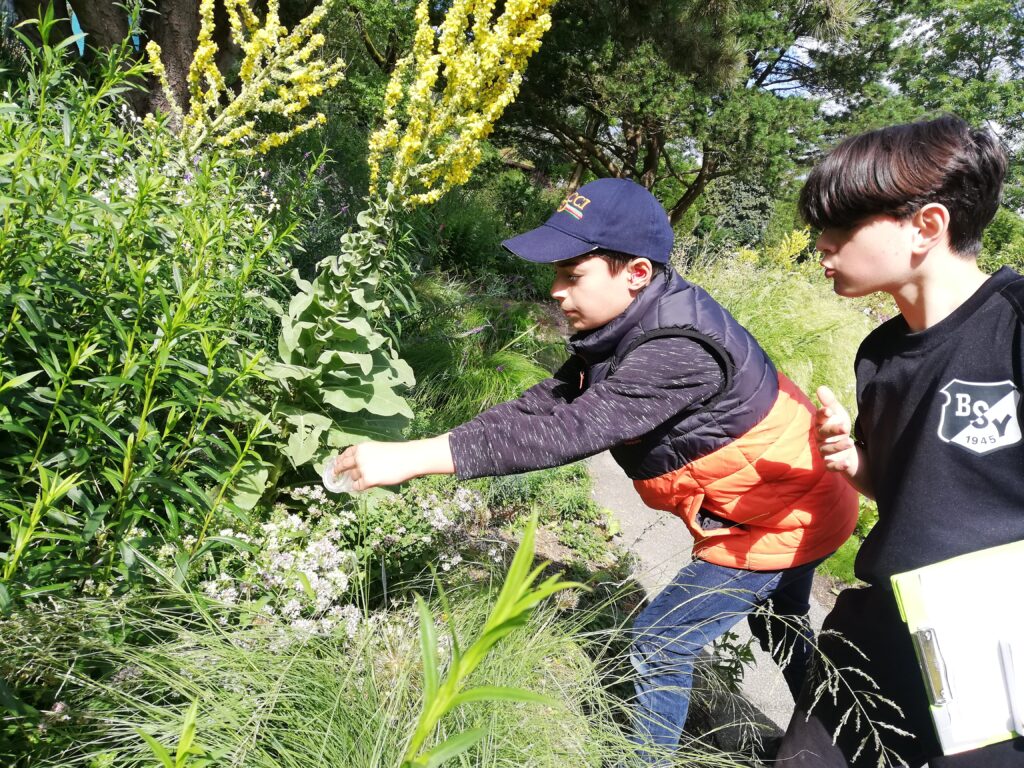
153 52
280 73
429 140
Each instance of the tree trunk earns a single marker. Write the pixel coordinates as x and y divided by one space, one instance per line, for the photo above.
175 28
590 131
694 191
105 23
652 159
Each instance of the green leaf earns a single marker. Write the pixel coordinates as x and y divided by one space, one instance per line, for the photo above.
283 371
250 485
379 399
299 303
271 304
127 553
363 360
17 381
303 445
303 285
10 702
451 748
428 650
516 577
364 427
306 586
501 693
157 749
188 734
94 520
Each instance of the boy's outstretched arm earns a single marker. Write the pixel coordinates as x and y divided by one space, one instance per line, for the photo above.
372 464
836 445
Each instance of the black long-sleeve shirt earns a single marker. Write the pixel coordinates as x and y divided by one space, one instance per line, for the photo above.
554 423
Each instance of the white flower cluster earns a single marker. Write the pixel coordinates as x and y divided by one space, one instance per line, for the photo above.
314 497
347 618
302 563
121 180
222 589
468 501
435 513
311 567
128 117
450 560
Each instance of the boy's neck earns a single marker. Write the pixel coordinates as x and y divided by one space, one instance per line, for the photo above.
942 284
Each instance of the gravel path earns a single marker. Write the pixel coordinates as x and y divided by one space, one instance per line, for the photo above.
662 544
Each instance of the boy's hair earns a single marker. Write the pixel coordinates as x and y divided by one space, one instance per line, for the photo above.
617 261
898 170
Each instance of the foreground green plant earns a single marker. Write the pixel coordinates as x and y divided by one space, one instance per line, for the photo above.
187 754
519 595
131 305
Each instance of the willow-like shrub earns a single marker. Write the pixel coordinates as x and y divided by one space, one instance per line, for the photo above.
131 302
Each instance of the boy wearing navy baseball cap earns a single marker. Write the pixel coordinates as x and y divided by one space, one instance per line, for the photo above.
693 410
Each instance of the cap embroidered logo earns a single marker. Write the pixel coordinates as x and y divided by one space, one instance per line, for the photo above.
574 205
980 417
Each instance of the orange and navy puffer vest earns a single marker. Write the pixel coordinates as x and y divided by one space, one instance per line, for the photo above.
743 471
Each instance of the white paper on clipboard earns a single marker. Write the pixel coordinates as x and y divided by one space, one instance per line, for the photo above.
967 623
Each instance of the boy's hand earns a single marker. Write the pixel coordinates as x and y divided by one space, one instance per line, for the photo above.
372 464
832 431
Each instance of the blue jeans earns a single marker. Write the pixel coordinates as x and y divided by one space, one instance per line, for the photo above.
698 606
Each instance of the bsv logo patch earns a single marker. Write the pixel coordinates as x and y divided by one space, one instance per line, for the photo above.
980 417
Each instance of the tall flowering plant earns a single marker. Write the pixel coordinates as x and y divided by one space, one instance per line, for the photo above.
341 376
280 74
431 138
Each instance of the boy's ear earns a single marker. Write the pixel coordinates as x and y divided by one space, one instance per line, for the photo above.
640 272
932 223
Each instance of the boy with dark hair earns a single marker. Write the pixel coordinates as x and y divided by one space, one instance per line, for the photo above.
938 438
694 412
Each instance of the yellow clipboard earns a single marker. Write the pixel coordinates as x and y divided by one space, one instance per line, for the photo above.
966 619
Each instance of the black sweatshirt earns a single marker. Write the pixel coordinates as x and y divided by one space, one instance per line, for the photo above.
554 423
940 421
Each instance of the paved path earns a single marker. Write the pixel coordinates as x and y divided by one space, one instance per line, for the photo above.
662 544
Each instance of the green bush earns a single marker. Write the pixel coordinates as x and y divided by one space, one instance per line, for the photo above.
1003 242
131 293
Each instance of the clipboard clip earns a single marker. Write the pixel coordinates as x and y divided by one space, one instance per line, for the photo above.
1013 677
926 644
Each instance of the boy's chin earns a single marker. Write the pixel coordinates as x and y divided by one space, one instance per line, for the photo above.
851 291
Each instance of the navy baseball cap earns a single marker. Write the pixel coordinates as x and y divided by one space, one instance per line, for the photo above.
610 214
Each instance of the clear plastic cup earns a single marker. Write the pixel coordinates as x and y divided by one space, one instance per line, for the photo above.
336 482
